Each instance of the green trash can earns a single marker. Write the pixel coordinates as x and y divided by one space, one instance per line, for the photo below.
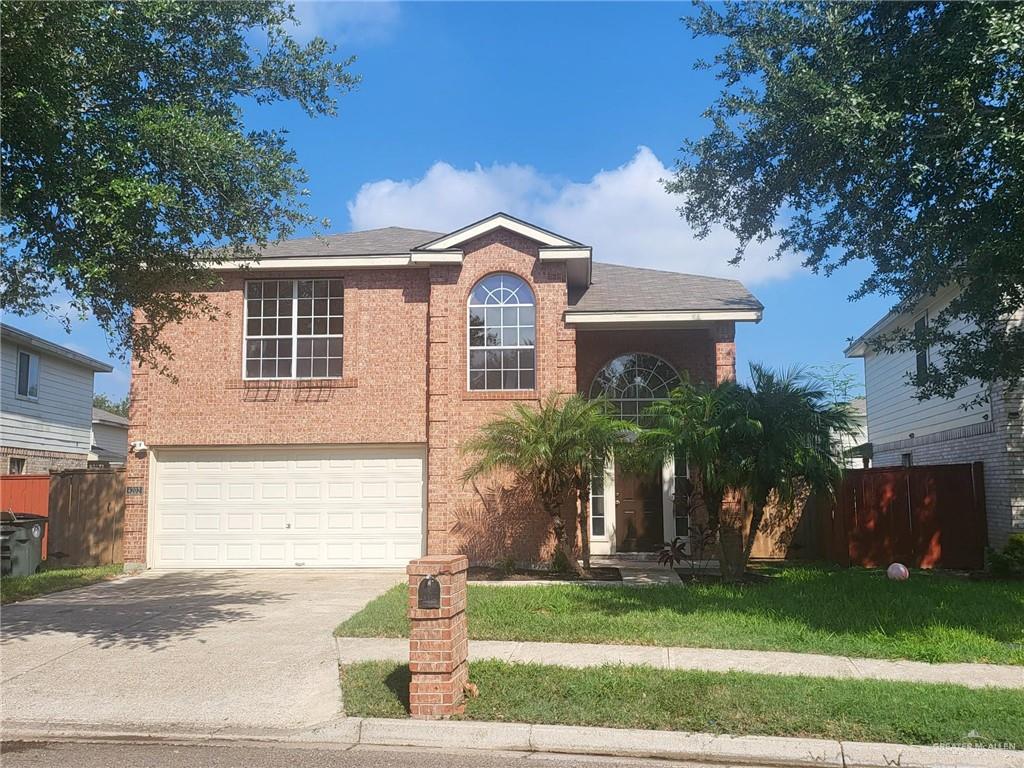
21 543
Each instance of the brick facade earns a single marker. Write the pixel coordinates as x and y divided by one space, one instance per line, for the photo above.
998 443
488 519
404 382
42 462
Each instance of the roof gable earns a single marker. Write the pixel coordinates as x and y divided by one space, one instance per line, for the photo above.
498 221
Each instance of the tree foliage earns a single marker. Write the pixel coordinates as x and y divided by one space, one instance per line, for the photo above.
106 403
767 441
886 132
127 167
555 448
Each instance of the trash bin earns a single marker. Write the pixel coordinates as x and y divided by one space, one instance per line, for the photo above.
21 543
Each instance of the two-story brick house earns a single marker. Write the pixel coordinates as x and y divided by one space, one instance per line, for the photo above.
318 420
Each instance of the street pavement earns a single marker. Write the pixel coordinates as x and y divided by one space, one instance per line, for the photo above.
119 755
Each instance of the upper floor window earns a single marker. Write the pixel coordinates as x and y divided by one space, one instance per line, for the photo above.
922 355
28 375
502 334
293 329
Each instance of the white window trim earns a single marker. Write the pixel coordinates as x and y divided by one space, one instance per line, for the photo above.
295 331
33 365
470 348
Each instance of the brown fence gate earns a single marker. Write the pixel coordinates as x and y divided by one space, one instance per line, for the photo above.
924 517
87 516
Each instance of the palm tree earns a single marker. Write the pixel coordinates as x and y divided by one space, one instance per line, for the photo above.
798 443
708 425
556 448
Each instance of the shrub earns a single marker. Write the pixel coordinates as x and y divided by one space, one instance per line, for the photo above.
1010 562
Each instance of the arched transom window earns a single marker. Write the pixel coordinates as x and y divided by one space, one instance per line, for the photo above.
502 334
634 381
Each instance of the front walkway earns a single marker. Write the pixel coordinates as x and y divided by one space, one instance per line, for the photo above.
356 649
213 649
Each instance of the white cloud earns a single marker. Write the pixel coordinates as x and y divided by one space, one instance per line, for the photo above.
624 213
346 22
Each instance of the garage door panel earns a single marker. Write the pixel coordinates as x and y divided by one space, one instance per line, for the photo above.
358 507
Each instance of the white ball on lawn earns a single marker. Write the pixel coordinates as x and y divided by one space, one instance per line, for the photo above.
898 572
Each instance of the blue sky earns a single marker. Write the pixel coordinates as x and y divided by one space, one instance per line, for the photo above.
563 114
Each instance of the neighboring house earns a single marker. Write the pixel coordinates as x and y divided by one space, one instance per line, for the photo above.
905 430
318 420
45 404
856 448
109 439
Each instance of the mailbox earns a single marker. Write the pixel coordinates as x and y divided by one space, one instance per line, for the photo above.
429 593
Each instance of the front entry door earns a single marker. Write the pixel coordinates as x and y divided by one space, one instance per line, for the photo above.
638 511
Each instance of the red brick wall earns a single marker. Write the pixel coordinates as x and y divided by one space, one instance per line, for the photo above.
490 519
688 351
381 399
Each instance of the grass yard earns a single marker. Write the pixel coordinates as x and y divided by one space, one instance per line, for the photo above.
15 588
933 617
734 702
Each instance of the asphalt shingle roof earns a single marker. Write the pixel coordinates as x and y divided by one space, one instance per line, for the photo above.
370 242
617 288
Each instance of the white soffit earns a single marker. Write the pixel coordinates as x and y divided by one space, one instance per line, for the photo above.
661 318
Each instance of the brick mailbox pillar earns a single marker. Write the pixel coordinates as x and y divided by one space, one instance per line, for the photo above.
438 645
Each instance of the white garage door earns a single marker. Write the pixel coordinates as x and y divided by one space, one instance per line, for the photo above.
282 508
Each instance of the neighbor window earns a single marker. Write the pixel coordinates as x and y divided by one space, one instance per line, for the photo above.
907 459
922 356
16 466
28 375
293 329
502 334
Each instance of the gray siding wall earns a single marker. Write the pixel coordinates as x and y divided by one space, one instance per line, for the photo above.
111 438
60 419
999 444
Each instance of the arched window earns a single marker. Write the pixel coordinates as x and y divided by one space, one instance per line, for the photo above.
634 381
502 334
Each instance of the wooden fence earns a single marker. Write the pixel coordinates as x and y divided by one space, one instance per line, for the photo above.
26 494
924 517
87 516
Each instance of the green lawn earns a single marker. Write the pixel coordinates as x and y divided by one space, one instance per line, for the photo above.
734 702
932 617
15 588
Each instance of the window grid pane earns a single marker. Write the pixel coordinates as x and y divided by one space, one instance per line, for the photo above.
501 334
294 329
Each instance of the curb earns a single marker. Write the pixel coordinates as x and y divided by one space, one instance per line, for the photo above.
761 751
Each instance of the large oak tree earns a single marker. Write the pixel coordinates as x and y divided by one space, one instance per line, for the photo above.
127 166
886 132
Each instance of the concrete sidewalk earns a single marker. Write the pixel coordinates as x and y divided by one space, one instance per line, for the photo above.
579 655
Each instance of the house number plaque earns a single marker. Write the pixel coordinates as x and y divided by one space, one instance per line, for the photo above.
133 490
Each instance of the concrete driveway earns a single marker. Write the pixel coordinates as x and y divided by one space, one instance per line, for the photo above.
232 649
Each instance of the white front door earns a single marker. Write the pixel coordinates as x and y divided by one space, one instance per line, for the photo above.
322 507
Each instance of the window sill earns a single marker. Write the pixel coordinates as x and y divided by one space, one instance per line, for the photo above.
272 384
501 394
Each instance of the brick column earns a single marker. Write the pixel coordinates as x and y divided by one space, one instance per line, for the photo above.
723 337
438 645
136 502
